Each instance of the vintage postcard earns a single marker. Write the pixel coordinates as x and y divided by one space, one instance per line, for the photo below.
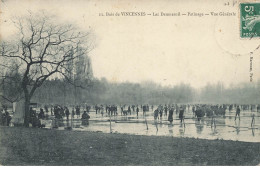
129 83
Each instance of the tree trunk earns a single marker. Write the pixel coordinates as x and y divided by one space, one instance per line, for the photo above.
26 112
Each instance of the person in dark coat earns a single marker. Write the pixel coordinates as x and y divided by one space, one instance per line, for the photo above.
237 113
129 110
230 108
193 109
170 118
34 119
181 114
165 110
67 112
62 113
161 112
51 110
33 116
122 110
78 111
156 113
41 114
102 110
144 109
6 118
73 112
46 109
96 107
199 113
85 118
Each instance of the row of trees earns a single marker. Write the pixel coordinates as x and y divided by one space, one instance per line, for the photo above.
101 91
244 93
58 91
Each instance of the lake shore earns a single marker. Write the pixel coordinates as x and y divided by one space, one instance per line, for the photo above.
45 147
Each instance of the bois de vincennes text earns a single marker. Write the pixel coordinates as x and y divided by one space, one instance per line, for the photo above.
157 14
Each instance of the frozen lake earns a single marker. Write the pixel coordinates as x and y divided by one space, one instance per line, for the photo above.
227 128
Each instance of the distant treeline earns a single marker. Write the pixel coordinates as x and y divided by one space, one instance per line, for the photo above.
103 92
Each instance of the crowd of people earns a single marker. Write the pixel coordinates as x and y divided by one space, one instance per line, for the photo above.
59 113
199 110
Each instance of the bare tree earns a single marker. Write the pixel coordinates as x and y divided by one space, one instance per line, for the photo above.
43 48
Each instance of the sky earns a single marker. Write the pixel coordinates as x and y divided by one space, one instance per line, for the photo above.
168 50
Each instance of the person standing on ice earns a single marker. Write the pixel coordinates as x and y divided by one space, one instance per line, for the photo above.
156 113
170 118
193 109
161 113
67 112
129 110
85 118
165 109
41 114
73 112
237 113
78 111
102 110
181 114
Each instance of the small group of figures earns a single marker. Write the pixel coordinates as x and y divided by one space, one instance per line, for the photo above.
125 109
135 108
199 111
213 110
59 112
110 109
84 117
161 109
5 117
35 119
250 107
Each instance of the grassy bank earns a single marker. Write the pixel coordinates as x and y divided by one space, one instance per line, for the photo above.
29 146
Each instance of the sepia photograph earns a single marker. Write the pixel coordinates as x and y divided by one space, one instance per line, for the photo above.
129 83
